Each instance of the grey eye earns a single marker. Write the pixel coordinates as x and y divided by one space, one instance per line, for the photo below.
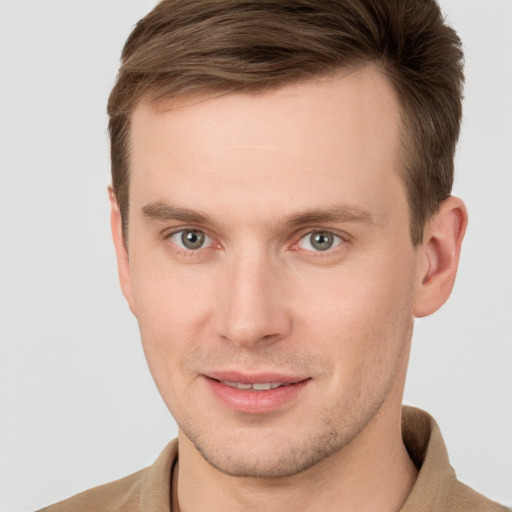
319 241
191 239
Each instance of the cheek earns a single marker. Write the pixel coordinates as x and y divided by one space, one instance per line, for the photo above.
168 321
361 315
171 307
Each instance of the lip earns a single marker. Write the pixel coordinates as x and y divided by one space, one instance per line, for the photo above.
254 378
252 401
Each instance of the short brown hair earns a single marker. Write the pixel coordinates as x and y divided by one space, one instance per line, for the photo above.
211 47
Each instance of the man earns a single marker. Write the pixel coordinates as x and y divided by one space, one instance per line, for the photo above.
281 213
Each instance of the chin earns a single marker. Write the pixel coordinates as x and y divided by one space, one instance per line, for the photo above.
267 455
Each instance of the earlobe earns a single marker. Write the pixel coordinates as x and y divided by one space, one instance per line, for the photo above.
439 256
123 261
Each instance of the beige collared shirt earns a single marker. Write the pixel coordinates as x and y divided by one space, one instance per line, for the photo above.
436 489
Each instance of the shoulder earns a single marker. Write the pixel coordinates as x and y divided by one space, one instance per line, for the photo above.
119 495
437 488
461 497
148 489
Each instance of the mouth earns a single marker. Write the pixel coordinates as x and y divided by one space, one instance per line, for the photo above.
257 393
255 386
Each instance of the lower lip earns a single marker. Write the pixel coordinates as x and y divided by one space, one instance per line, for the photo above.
255 402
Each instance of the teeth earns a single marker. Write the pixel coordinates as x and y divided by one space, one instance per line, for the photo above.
256 386
264 387
238 385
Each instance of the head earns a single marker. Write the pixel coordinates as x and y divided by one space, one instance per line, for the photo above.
281 212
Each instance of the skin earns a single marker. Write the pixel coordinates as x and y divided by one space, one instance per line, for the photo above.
257 297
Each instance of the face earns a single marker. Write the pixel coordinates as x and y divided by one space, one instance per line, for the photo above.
271 269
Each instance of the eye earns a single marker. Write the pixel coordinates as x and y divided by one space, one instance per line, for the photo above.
190 239
319 241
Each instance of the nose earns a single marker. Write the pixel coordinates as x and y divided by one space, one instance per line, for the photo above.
252 307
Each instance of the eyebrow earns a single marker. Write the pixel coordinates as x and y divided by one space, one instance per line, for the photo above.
336 214
165 212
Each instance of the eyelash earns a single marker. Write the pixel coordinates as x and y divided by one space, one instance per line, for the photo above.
339 240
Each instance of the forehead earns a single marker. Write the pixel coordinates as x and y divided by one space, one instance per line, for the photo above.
315 140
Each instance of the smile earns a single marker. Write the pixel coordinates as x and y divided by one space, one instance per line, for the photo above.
257 386
256 394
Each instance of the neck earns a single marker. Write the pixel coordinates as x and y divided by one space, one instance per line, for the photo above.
373 472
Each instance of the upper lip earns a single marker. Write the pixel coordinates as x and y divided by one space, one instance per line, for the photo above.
253 378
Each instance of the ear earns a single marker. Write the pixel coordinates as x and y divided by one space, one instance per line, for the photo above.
439 256
123 260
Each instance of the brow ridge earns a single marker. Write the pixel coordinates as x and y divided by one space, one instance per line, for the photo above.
158 210
335 214
161 211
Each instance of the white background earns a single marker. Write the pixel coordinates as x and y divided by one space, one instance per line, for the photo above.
78 406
